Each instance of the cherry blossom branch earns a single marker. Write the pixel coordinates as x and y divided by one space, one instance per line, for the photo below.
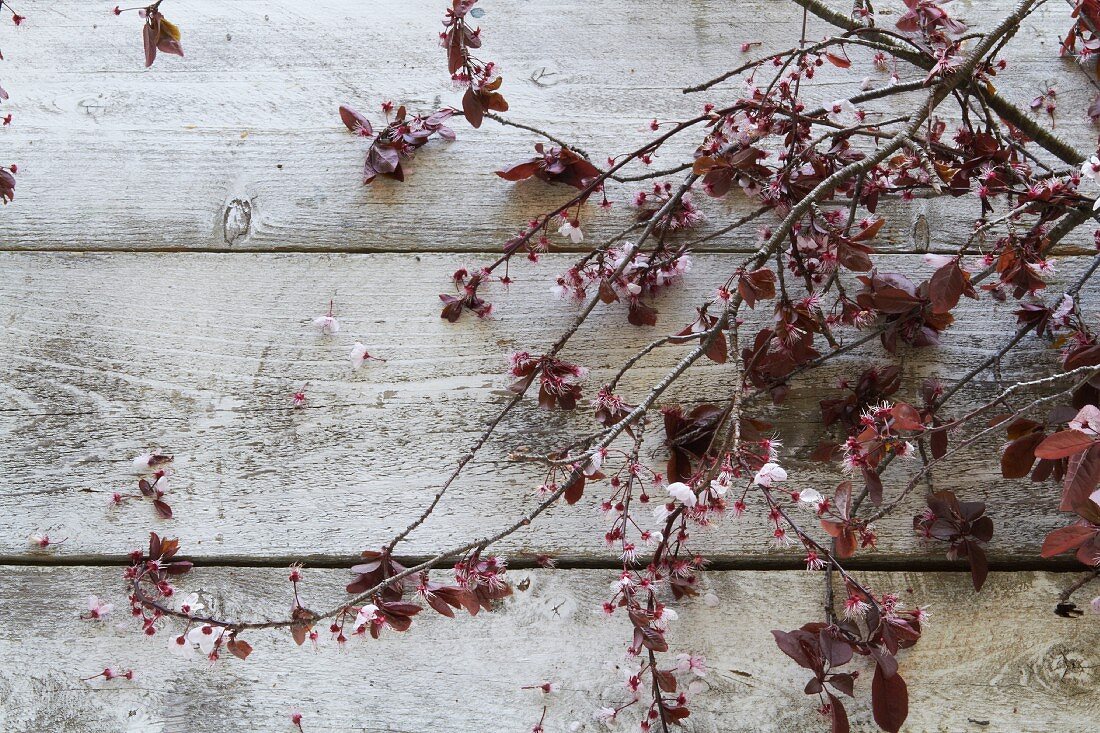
1088 371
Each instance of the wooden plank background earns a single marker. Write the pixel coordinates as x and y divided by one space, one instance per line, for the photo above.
177 228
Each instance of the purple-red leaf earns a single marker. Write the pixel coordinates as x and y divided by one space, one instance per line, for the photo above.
889 700
354 121
162 508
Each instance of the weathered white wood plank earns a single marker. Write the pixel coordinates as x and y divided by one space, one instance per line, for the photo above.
116 157
997 661
107 356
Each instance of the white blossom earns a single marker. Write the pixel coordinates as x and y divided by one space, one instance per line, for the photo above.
604 715
205 636
683 492
366 614
810 497
191 604
149 462
180 646
572 230
1090 169
769 474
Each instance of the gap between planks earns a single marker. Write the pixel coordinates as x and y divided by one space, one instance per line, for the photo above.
715 562
1068 250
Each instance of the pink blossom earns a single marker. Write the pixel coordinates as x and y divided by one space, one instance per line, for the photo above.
694 663
855 607
1087 421
327 325
97 609
359 355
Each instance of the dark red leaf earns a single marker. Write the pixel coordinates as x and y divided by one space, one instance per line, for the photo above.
938 441
574 489
239 648
1019 456
1066 539
1063 444
149 37
716 352
889 701
844 682
979 566
838 716
607 291
354 121
519 172
946 287
472 109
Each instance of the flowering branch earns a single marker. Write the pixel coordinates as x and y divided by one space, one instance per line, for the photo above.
816 176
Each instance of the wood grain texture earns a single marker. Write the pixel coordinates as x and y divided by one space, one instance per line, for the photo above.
238 149
238 146
110 355
974 670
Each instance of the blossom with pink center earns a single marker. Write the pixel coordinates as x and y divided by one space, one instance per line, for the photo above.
855 607
205 637
191 605
327 324
572 229
922 615
662 616
1087 421
694 663
97 609
815 561
180 646
359 355
1090 169
41 540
